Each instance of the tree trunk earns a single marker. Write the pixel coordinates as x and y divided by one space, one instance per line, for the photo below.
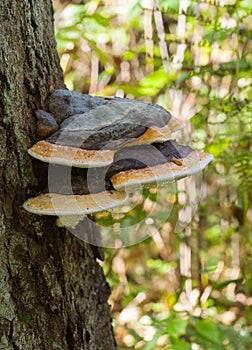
53 293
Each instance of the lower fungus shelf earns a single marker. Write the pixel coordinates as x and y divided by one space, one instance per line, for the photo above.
62 205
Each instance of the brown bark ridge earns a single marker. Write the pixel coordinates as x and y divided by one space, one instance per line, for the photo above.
53 293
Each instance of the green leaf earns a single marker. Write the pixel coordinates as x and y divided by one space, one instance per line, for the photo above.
208 330
162 266
157 79
246 4
214 233
176 327
218 146
170 5
178 344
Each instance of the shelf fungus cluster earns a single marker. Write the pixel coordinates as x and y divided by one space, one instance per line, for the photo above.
113 146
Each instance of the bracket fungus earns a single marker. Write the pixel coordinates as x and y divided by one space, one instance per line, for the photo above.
63 205
160 164
114 145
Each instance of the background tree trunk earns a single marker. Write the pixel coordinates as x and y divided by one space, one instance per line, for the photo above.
53 294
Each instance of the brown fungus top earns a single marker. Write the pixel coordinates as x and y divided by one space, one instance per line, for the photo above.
93 128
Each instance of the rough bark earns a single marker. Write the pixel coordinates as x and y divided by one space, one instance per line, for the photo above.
53 294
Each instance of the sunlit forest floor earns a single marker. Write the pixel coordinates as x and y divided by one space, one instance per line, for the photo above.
179 258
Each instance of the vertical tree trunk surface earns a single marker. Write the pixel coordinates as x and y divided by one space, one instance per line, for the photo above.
53 294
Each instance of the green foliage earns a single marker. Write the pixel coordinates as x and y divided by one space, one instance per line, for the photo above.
182 333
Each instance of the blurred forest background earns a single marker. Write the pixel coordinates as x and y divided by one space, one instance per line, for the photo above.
188 286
